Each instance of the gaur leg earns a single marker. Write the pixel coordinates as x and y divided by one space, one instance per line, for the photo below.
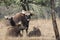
22 31
27 30
27 26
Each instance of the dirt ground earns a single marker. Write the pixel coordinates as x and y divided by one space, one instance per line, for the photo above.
45 27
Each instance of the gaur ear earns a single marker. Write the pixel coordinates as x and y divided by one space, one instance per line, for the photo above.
6 17
31 13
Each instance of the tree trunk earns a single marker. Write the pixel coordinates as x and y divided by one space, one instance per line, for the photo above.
54 19
24 4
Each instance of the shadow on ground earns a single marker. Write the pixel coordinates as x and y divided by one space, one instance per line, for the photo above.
35 32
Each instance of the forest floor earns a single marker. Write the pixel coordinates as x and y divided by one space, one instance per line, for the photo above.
45 27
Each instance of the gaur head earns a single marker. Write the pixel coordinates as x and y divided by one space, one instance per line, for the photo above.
28 15
11 21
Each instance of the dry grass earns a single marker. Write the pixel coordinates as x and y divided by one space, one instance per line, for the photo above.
45 26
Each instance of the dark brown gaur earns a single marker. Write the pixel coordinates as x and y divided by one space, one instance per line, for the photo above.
24 18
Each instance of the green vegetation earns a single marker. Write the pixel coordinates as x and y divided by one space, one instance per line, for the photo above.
40 7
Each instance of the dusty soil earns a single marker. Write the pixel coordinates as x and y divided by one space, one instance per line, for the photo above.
45 27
